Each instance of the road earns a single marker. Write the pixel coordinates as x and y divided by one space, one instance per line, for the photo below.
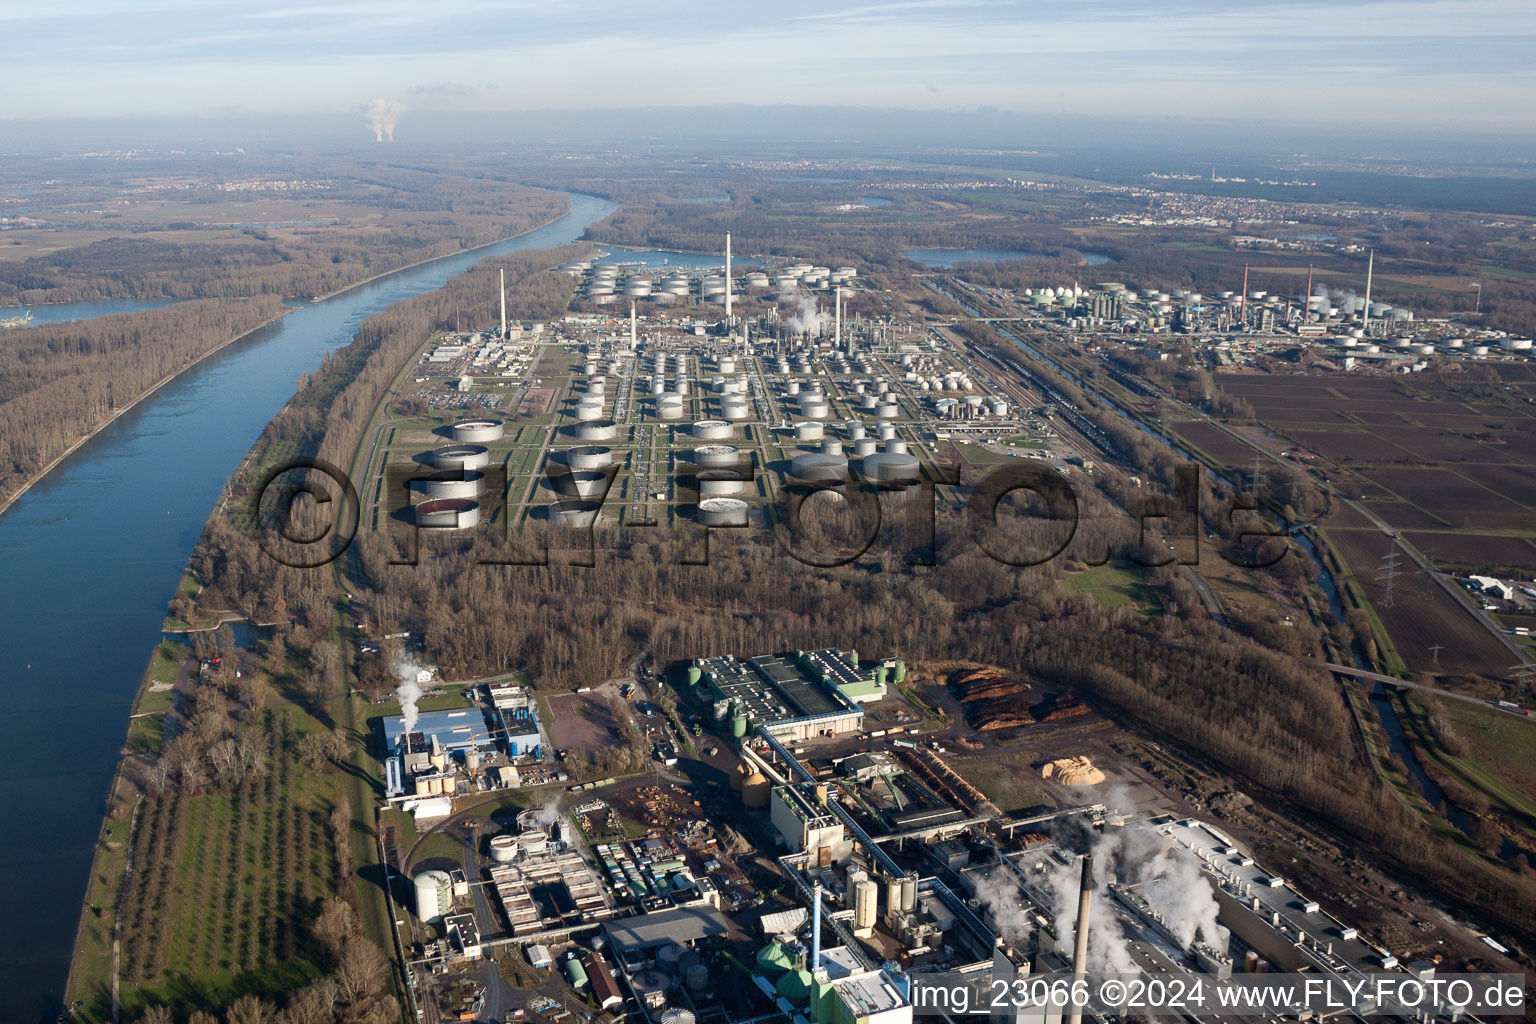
1207 595
1360 673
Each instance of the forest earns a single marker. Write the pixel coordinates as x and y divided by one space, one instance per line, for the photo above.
390 219
60 382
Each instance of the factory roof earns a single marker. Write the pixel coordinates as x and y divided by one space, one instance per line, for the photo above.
1297 913
683 924
455 729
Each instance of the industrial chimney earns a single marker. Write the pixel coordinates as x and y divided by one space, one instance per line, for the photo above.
503 303
1365 311
816 927
727 280
1080 953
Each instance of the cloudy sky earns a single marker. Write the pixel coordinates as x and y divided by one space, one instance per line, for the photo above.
1447 64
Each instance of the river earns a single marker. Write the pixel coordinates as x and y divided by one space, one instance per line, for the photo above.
67 312
92 553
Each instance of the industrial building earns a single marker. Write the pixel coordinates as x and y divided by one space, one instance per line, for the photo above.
455 730
634 939
799 696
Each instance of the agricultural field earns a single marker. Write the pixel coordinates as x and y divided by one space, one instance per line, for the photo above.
1214 442
1421 614
1474 552
223 883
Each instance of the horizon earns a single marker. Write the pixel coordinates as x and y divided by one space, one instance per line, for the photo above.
1368 62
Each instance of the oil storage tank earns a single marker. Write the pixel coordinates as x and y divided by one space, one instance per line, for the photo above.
816 466
468 484
712 430
723 512
434 895
893 466
574 512
461 456
448 513
580 483
589 456
718 483
601 429
715 456
478 431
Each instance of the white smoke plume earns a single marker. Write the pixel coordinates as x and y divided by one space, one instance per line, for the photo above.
547 813
999 891
1170 879
409 691
807 318
1108 947
1347 301
381 116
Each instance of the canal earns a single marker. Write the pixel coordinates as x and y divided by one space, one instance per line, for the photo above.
92 553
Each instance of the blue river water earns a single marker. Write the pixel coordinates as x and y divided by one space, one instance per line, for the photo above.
92 553
65 312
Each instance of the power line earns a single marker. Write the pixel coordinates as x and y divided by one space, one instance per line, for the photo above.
1387 576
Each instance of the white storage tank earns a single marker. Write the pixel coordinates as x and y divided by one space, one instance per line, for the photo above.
434 895
723 512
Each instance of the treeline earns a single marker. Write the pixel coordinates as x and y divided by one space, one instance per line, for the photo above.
420 216
59 382
353 991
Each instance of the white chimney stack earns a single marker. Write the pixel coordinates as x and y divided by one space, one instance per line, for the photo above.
503 302
727 280
634 327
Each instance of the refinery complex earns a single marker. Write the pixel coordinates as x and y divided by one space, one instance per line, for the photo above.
818 841
832 865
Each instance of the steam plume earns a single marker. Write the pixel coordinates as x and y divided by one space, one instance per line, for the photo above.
807 318
409 691
380 117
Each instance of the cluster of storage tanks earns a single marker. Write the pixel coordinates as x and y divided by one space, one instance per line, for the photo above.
607 283
888 462
530 842
971 407
452 500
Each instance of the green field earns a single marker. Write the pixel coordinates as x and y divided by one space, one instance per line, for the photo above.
1500 761
223 884
1113 586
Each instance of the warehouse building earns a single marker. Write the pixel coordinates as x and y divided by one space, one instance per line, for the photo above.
798 696
635 939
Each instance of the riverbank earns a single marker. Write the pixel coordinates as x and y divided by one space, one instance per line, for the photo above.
89 963
432 259
54 463
58 460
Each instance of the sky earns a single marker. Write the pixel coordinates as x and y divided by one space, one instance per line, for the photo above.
1459 64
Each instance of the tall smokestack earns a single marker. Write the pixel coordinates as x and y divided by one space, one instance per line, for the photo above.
837 318
816 926
1306 299
727 280
503 302
1084 903
1365 311
634 327
1242 306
